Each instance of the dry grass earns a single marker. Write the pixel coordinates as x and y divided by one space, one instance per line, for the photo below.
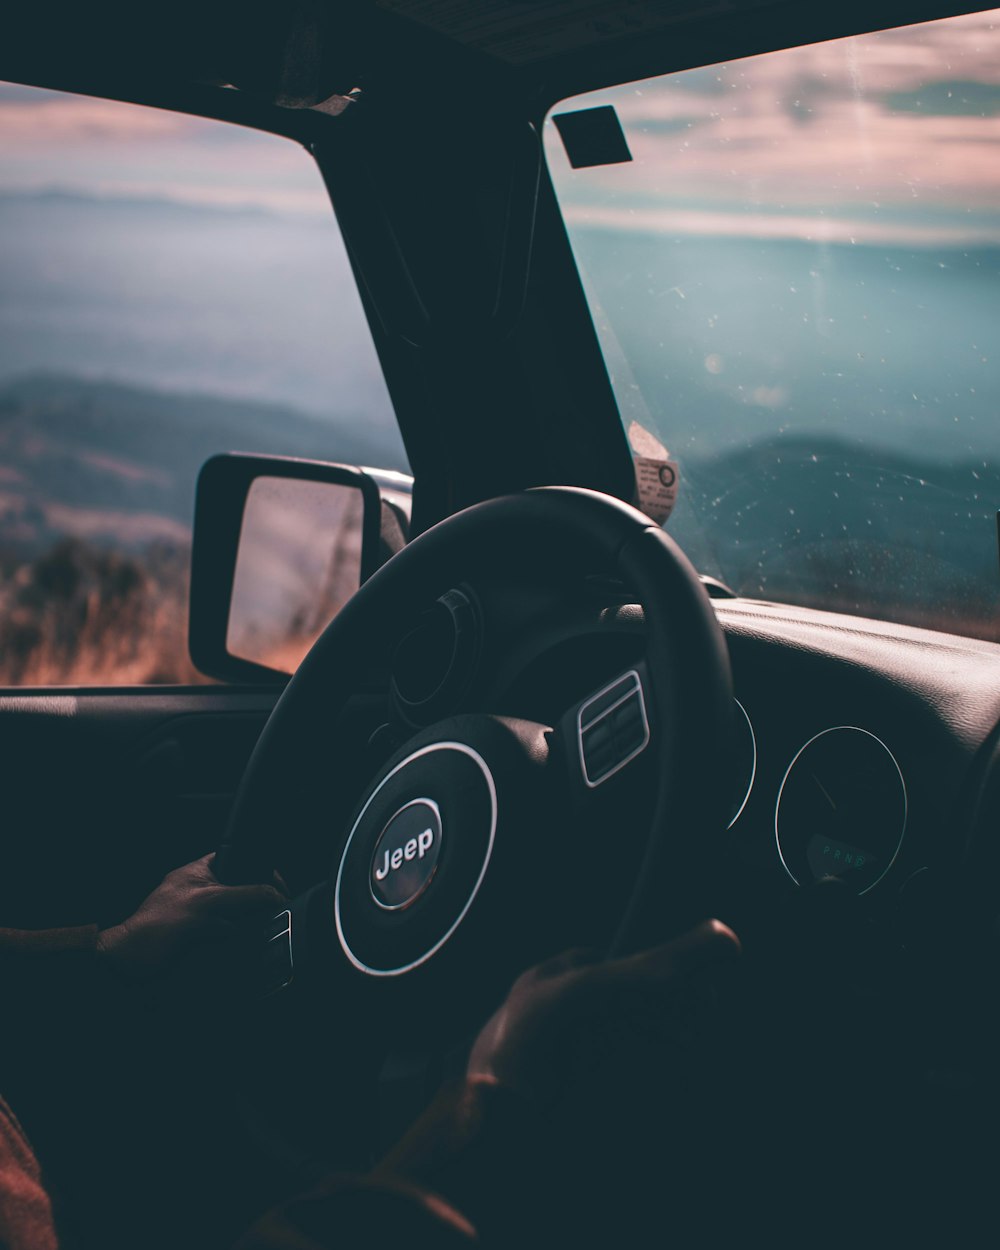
80 615
84 615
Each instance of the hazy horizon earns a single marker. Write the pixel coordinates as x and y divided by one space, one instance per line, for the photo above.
251 305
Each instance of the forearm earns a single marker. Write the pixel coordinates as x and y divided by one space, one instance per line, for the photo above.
55 970
55 987
348 1211
26 1219
484 1150
25 943
466 1172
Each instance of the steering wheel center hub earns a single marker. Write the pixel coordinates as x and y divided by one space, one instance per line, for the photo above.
415 858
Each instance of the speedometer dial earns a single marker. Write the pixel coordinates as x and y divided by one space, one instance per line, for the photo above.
841 809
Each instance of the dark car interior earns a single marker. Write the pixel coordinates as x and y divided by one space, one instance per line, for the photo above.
555 634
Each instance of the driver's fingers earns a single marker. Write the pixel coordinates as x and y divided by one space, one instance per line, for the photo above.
197 873
234 900
203 872
566 961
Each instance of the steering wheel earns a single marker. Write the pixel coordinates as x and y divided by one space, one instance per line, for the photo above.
486 842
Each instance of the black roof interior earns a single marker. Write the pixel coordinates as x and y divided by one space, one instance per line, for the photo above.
300 54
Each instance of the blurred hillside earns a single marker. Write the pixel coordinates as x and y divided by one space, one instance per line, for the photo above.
833 408
107 462
830 523
96 498
239 302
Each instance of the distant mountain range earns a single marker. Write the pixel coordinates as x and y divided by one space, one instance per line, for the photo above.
834 408
725 342
117 465
810 519
225 300
836 524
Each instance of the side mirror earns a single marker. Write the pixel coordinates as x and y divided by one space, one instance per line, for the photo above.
279 547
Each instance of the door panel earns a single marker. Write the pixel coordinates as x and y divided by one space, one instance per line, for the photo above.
106 791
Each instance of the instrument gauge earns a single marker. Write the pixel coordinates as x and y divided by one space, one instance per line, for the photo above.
841 809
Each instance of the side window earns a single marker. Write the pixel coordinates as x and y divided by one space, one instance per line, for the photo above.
170 287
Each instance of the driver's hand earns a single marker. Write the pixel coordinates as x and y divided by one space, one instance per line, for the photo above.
582 1087
188 907
565 1017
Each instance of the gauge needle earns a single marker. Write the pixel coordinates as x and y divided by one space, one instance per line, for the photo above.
823 789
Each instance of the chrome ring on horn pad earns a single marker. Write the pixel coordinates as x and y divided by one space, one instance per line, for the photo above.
412 866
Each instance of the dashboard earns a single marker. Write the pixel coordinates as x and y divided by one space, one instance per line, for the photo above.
873 744
862 750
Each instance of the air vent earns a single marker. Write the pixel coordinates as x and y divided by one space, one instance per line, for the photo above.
613 728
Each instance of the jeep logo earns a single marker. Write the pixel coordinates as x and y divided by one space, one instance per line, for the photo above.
406 855
415 847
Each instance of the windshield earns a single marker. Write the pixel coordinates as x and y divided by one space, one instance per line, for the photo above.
794 283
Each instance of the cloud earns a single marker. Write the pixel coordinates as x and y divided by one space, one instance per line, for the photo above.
108 148
718 223
949 99
58 119
812 141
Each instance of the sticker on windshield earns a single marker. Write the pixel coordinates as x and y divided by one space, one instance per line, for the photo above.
656 475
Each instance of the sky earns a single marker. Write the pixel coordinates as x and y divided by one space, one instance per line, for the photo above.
168 251
818 142
50 140
890 137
